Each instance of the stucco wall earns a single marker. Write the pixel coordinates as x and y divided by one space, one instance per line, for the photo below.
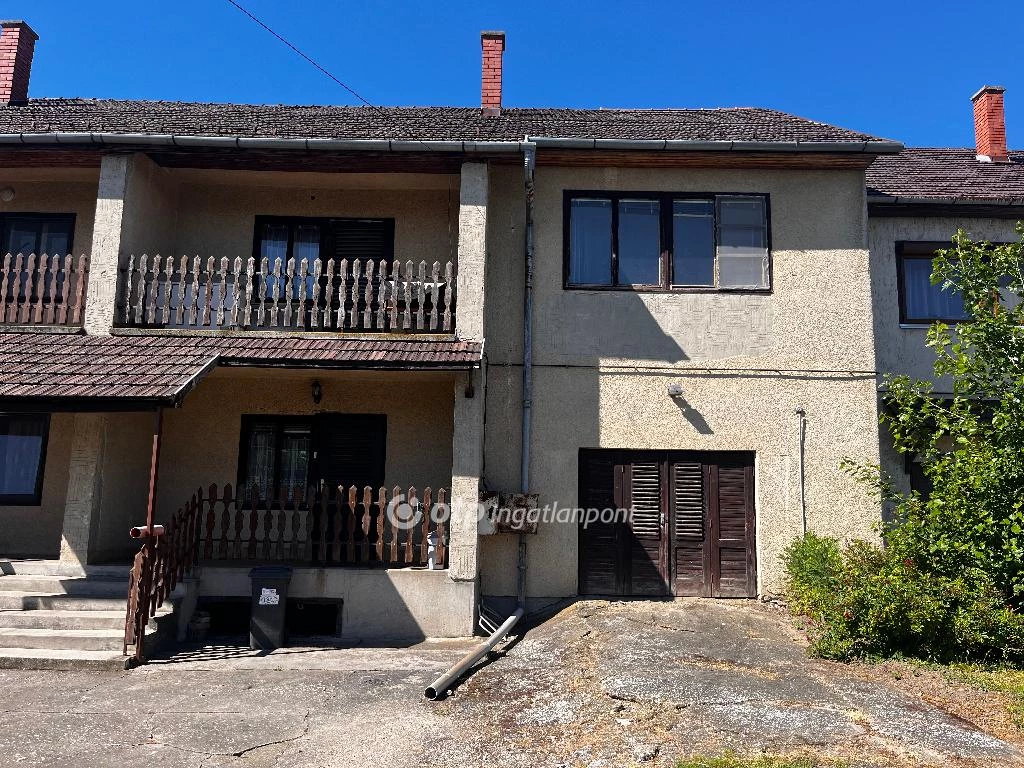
50 191
902 349
217 210
35 531
746 361
201 439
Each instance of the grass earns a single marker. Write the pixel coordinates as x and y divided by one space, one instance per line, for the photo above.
732 760
1000 679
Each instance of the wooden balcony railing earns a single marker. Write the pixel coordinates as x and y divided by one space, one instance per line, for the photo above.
43 290
359 527
336 295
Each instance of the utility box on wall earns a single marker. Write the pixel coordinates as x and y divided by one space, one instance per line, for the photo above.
509 513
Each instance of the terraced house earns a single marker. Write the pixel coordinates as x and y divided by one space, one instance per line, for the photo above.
247 331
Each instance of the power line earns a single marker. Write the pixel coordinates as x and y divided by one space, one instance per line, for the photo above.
388 119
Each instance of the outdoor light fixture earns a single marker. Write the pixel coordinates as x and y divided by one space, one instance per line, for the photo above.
318 393
7 194
675 390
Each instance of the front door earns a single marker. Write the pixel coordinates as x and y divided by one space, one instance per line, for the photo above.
690 531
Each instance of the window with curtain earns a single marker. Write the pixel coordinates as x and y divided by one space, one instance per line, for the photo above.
22 455
923 303
47 235
667 241
277 455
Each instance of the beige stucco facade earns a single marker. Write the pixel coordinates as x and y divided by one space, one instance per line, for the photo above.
902 348
745 361
603 359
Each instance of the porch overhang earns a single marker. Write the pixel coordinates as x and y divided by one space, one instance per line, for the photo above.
45 372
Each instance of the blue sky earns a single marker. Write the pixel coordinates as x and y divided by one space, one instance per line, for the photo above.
903 70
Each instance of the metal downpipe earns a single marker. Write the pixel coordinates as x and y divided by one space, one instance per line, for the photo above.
442 686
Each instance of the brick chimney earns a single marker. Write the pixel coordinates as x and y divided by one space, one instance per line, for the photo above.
17 43
990 124
493 44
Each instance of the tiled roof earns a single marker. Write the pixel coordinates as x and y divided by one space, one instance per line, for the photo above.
162 368
416 123
947 174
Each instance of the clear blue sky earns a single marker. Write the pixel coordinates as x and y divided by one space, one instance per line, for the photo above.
901 70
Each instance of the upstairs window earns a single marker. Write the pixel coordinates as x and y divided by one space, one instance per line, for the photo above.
922 303
279 238
653 241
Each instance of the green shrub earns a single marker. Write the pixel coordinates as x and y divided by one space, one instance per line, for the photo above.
865 601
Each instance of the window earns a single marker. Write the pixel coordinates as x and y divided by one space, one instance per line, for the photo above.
308 240
22 455
665 241
285 456
40 234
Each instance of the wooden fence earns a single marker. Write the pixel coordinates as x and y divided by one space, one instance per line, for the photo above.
336 295
345 527
43 290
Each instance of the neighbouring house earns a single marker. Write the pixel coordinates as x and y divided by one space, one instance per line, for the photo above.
268 325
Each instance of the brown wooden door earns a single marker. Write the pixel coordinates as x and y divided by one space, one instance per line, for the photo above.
692 526
629 555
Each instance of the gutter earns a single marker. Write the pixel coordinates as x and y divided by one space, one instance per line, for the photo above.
113 140
953 200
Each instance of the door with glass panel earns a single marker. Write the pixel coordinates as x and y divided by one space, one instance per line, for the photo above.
303 460
296 254
47 237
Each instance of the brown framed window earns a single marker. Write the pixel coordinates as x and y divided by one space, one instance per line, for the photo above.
22 457
666 241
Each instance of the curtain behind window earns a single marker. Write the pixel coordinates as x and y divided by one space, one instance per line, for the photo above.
924 301
590 240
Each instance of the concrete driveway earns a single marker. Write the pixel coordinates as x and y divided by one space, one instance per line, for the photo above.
599 684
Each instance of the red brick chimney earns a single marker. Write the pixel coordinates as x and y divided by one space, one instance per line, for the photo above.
17 43
990 124
493 44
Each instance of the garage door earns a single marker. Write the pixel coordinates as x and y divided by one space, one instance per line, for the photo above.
691 531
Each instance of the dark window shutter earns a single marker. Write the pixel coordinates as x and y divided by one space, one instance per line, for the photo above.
363 239
352 450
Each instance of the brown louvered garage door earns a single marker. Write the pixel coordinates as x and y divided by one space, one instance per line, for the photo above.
691 530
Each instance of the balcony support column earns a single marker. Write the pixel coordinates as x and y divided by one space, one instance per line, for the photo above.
85 492
136 210
468 435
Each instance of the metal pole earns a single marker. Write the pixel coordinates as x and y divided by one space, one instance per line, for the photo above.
154 466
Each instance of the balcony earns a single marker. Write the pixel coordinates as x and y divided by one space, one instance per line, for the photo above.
43 290
337 295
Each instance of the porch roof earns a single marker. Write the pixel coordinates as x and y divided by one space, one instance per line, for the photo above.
71 372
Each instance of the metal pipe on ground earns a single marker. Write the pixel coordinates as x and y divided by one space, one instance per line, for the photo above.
442 686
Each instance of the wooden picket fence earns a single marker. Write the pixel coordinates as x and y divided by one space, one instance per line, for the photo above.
344 527
336 295
43 290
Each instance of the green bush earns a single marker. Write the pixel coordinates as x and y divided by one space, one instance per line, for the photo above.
865 601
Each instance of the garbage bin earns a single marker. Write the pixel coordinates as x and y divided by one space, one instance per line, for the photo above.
269 598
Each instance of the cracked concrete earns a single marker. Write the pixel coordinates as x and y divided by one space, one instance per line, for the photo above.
623 683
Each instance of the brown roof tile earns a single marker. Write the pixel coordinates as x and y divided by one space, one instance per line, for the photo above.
412 123
134 368
946 174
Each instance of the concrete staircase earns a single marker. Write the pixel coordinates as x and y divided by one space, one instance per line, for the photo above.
58 622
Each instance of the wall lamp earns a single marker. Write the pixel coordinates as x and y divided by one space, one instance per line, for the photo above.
675 391
318 393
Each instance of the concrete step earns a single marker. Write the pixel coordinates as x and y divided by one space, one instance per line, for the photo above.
64 619
66 639
56 585
61 659
45 601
